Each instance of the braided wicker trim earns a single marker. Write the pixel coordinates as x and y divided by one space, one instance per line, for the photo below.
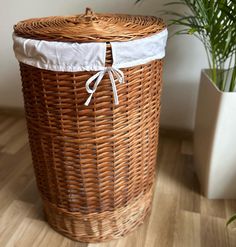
99 226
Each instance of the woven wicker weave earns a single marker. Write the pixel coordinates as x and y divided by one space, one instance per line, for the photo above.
90 27
94 165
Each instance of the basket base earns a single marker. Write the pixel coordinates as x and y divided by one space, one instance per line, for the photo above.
99 227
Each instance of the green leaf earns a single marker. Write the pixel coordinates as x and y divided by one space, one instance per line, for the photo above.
213 23
232 219
192 30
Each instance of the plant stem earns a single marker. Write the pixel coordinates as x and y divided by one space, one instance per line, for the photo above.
228 71
213 69
233 81
233 77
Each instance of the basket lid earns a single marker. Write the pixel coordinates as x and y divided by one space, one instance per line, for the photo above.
90 27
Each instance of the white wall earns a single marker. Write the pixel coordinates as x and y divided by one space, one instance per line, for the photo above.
184 60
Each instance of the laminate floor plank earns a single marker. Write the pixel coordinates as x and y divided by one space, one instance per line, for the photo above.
213 232
14 129
187 230
189 194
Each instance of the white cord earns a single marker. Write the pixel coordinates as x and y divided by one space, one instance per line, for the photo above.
113 73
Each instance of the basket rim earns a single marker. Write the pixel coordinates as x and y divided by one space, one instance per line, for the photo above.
90 27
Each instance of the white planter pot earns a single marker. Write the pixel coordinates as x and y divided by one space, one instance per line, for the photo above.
215 140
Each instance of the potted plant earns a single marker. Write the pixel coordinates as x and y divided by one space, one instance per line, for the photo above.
213 22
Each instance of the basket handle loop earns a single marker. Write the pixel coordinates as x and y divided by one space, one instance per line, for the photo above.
88 12
89 15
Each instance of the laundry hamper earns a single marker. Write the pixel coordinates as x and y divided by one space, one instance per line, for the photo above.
91 86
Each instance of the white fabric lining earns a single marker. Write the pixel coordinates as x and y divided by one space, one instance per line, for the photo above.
60 56
75 57
140 51
72 57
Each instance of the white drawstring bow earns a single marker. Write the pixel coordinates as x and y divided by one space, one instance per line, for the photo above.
112 72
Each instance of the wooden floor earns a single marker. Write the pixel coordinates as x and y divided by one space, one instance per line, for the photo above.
180 217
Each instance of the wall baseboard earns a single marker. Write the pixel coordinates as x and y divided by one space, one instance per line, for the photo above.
15 111
176 133
164 131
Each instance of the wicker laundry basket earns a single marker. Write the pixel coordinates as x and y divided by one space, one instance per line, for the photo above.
95 162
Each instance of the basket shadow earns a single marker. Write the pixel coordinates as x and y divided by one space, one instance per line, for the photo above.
176 170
